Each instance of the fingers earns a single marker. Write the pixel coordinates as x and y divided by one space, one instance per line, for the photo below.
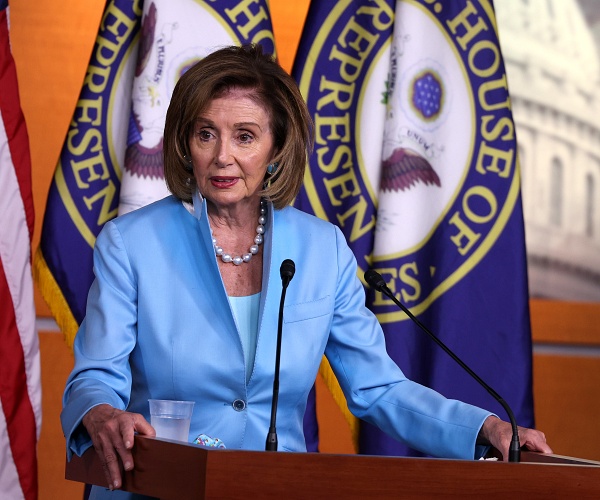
142 426
112 432
534 440
499 434
112 470
129 425
107 451
124 442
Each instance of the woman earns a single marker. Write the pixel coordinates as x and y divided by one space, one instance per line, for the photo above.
185 301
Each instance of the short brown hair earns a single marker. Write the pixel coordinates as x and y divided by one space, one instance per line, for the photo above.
245 67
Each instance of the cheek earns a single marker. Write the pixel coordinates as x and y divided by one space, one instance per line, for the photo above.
201 160
199 171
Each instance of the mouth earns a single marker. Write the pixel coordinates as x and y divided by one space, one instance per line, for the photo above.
223 182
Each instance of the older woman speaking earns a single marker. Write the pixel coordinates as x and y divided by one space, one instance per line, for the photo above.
185 301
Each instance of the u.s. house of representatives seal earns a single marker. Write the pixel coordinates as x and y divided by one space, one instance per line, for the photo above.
415 155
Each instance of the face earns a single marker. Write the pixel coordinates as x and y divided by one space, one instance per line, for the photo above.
231 145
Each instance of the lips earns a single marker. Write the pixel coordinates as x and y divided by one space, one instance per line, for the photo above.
223 182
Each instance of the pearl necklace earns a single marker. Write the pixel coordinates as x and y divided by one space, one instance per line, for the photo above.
258 239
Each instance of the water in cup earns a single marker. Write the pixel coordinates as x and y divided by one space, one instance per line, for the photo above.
173 428
171 419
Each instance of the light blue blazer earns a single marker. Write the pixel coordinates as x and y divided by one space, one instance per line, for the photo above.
159 325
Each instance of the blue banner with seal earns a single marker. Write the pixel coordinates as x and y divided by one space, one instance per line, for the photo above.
416 161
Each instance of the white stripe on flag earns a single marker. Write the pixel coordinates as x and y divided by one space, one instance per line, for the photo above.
15 256
9 478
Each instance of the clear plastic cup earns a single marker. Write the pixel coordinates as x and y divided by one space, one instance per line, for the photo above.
171 419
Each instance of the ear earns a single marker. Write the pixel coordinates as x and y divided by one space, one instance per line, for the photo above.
189 167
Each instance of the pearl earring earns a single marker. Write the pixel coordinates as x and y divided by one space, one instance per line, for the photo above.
272 168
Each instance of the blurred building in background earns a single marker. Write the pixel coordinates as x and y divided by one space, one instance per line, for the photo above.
551 50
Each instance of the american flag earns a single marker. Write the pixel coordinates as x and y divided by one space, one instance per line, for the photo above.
20 389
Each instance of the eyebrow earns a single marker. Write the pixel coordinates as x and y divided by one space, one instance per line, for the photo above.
210 123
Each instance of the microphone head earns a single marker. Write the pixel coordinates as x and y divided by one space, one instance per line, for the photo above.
287 270
374 279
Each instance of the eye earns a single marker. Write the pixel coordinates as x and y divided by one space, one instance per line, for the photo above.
204 135
246 137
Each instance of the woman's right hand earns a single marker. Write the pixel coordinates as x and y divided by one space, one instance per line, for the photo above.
112 434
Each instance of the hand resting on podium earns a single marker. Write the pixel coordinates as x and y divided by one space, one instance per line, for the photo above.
498 433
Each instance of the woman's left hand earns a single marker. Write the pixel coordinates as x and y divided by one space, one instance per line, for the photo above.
498 433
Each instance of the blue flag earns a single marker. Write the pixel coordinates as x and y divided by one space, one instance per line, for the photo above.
416 161
111 161
84 193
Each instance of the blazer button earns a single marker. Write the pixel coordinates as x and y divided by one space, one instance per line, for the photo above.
239 405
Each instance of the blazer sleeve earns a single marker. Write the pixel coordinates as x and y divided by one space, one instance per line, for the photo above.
375 387
104 341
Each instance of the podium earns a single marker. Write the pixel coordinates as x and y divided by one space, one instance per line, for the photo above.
170 470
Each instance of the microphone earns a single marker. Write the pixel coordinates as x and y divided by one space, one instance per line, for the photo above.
286 271
374 279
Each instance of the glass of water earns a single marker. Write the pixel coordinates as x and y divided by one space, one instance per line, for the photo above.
171 419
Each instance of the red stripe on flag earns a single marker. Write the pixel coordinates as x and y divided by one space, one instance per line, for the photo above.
14 122
20 419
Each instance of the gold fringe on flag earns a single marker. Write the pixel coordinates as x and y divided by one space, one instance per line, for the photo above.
338 396
53 296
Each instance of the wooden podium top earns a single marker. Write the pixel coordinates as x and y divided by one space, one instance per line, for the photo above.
171 470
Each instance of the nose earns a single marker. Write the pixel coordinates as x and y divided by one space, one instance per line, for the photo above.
223 154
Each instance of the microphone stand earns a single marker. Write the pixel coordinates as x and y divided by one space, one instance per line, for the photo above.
375 280
287 271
